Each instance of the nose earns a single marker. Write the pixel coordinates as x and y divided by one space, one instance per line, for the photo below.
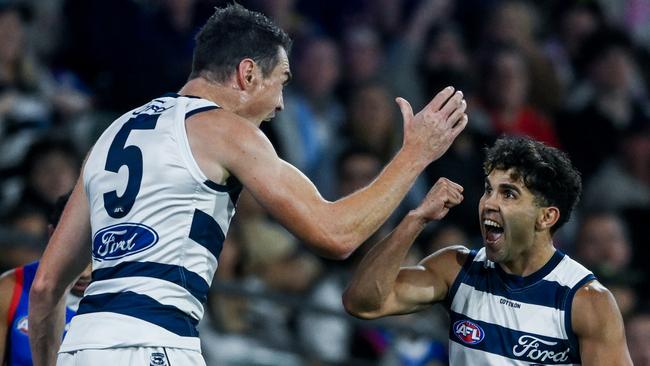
280 105
488 201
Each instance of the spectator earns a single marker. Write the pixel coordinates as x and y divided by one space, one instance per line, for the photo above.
51 168
607 104
306 132
504 95
24 109
637 330
370 120
516 23
602 243
574 21
628 171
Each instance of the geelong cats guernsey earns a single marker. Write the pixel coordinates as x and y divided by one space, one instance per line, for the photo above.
501 319
158 226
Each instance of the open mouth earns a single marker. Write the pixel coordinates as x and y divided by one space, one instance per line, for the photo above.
493 231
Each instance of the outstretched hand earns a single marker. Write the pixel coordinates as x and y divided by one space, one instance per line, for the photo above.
444 195
431 131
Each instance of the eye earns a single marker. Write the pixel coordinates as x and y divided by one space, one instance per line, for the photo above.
509 194
488 189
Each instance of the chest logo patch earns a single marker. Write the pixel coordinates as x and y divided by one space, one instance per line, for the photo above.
468 332
122 240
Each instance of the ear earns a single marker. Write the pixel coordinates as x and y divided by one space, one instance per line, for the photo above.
246 73
50 230
547 217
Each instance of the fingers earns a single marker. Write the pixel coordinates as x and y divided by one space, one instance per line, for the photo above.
455 103
454 185
453 199
452 190
460 126
405 108
457 113
440 98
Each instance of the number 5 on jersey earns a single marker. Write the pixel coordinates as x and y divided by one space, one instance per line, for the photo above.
131 156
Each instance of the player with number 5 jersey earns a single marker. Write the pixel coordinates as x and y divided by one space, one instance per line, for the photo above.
154 259
159 188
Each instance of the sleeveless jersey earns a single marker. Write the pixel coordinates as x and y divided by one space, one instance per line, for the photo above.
17 347
158 226
501 319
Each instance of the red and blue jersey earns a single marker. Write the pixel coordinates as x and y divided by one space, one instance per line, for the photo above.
18 351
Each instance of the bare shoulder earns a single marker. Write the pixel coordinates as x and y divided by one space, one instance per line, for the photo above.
7 278
447 262
222 142
220 121
593 295
593 306
7 283
454 255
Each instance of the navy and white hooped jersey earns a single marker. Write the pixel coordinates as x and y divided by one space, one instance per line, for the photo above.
501 319
158 226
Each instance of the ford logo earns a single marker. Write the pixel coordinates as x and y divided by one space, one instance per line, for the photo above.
468 332
121 240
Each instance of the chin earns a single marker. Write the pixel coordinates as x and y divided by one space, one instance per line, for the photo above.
494 255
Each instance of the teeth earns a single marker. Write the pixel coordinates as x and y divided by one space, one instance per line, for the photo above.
491 223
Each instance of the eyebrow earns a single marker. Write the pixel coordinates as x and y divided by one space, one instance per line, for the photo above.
504 186
509 186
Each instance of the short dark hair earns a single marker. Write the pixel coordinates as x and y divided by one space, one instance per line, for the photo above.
232 34
45 147
546 171
56 212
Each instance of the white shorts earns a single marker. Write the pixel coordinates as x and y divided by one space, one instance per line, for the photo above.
131 356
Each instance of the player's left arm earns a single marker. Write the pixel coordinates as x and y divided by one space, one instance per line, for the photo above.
598 323
65 257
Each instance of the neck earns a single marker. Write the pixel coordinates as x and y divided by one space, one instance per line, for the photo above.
531 259
227 95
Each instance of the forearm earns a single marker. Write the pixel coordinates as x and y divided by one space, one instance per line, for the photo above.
353 219
46 323
375 277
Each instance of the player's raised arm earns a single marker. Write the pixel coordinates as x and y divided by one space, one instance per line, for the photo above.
598 324
65 257
336 229
381 287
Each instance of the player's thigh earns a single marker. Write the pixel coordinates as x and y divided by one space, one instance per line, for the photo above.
136 356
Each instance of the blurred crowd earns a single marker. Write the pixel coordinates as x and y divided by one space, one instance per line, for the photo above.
574 74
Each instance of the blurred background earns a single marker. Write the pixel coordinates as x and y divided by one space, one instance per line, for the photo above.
572 73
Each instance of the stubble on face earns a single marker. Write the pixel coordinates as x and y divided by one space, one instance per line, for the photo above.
269 94
511 205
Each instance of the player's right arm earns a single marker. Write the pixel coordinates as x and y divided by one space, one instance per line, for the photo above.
333 229
380 286
598 324
65 257
7 284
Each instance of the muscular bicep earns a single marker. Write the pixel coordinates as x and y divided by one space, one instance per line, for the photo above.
598 324
278 186
418 287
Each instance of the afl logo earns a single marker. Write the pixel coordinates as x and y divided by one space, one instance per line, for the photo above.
468 332
122 240
23 325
